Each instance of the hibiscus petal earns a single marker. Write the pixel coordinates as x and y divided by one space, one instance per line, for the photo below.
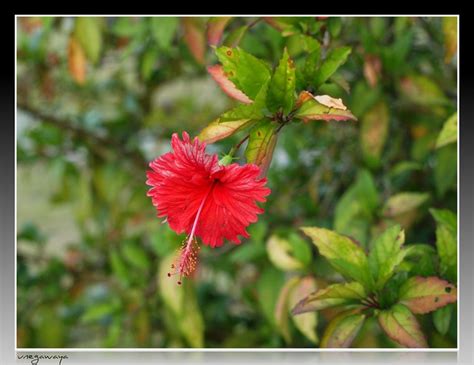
179 181
232 205
189 186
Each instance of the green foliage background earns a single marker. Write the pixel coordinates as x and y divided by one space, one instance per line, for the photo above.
93 257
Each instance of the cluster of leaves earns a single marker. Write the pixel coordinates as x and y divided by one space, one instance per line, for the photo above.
384 284
99 97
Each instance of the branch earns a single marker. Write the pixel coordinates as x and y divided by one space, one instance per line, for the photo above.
97 142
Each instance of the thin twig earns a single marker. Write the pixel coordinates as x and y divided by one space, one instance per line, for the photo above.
96 141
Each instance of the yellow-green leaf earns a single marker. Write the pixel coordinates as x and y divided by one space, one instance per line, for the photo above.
342 253
88 32
442 318
342 330
306 322
446 242
164 30
282 307
332 296
335 58
281 91
424 295
450 31
172 294
449 133
401 326
280 253
386 254
218 130
262 142
373 133
247 72
226 85
403 203
311 108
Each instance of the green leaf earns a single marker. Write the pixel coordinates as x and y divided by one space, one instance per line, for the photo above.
239 118
386 254
449 133
421 259
306 323
172 294
247 72
136 256
423 91
331 296
342 330
268 289
98 311
218 130
119 268
335 58
450 32
442 318
401 326
445 169
148 62
281 91
424 295
404 202
218 74
281 253
301 248
311 65
234 37
355 210
311 109
191 322
446 218
88 32
363 97
334 26
281 309
446 242
373 133
215 28
342 253
262 142
163 30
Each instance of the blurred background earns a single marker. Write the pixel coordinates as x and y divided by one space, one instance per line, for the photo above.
98 98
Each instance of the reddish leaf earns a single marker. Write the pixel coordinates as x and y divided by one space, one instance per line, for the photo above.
306 322
321 107
332 296
76 61
401 326
218 130
218 74
342 329
262 141
372 69
424 295
215 28
194 38
281 308
450 25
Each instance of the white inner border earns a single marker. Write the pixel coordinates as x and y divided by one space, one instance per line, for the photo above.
239 349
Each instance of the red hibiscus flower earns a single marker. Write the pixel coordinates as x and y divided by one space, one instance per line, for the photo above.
199 196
